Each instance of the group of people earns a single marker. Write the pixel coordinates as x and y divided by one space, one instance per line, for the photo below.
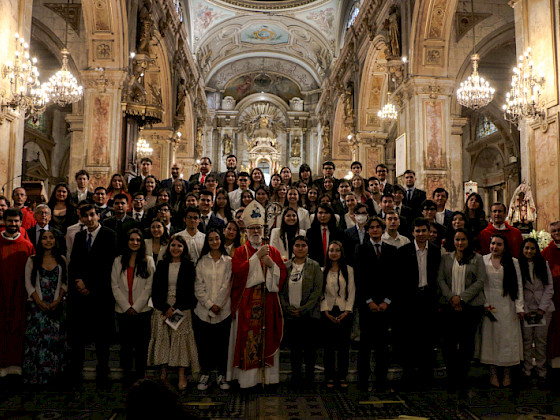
217 272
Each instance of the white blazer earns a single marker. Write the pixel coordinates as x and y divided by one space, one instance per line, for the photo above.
276 242
303 217
32 289
150 251
141 287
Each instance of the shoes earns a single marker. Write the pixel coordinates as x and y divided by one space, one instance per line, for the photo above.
221 381
203 382
343 384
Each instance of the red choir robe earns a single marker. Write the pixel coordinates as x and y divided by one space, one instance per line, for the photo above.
512 235
552 255
28 219
21 230
13 295
246 305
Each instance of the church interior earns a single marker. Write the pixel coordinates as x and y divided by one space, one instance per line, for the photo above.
281 83
193 79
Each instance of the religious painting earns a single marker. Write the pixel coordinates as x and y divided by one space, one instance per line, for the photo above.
324 19
98 179
373 158
433 116
275 84
433 182
264 34
546 175
400 155
98 146
206 16
437 19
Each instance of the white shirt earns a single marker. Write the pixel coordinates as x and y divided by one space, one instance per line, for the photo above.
235 198
458 278
303 218
422 259
277 242
500 227
294 285
82 195
362 234
93 234
38 231
137 215
70 235
213 287
195 243
397 241
440 217
333 297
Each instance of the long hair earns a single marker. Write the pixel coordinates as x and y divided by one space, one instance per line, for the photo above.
237 239
52 199
228 213
177 198
305 167
155 192
332 222
206 247
164 240
479 213
287 232
185 256
450 232
40 254
539 263
110 187
141 264
225 184
263 188
342 265
262 183
468 253
511 288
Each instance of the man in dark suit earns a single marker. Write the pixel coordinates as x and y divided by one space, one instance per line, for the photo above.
400 208
164 212
328 171
204 168
100 202
443 216
416 303
145 170
388 203
357 234
322 232
374 274
175 174
339 203
121 223
82 193
231 165
382 171
42 215
413 197
90 303
207 219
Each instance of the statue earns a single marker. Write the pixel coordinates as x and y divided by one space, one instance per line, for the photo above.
198 142
392 24
263 134
146 30
296 147
326 140
228 144
522 211
349 102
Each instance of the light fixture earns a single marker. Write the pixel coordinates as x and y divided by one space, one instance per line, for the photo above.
388 112
523 99
63 88
475 92
143 148
25 89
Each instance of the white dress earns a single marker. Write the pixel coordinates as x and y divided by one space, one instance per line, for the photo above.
502 344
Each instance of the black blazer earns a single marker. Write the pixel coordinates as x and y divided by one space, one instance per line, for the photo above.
59 236
168 184
375 276
213 222
185 286
121 228
195 177
353 242
339 208
415 203
388 189
74 197
315 237
134 185
409 275
94 268
407 213
319 184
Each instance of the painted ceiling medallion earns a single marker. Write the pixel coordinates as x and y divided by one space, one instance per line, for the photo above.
270 4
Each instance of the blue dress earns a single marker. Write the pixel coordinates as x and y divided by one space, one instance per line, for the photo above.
45 349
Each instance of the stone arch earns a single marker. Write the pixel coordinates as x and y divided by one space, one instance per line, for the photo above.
431 36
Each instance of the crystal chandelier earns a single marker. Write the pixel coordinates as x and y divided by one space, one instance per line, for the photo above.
523 99
143 148
25 89
388 112
475 92
63 88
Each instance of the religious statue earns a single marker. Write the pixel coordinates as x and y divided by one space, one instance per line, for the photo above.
146 30
228 144
198 142
263 134
296 147
326 140
349 102
522 211
393 35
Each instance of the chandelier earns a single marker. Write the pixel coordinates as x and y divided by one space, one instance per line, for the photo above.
475 92
388 112
523 99
63 88
143 148
25 89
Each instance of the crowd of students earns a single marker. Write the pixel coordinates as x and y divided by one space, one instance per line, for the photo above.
366 260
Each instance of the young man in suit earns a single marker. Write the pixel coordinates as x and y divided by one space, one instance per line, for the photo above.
339 204
416 303
400 208
414 197
145 170
175 174
374 274
121 223
382 171
90 302
82 193
42 215
328 171
357 234
356 168
164 212
100 202
322 232
231 165
207 219
443 216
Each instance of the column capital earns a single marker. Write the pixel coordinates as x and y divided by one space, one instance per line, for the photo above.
457 125
431 86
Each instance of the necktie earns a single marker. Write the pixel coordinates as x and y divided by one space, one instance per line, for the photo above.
409 195
378 250
398 210
325 241
137 217
40 233
89 241
204 221
202 179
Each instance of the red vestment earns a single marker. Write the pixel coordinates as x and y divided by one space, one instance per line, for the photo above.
247 305
512 235
552 255
13 257
28 219
21 230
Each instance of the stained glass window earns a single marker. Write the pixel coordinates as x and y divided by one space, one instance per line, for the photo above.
485 127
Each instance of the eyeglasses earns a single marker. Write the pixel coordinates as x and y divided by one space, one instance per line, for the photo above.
193 217
163 210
